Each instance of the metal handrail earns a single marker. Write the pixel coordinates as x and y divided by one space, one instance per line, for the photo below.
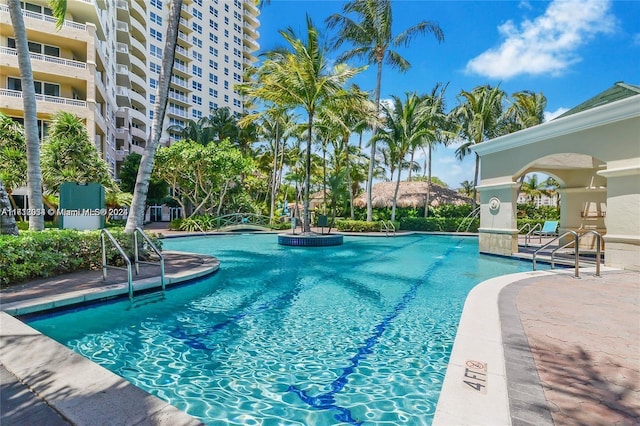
475 212
527 237
115 243
386 227
576 242
577 249
137 260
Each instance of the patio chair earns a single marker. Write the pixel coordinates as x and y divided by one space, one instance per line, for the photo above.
548 229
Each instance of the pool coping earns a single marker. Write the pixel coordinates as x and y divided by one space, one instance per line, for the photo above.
49 376
471 395
24 307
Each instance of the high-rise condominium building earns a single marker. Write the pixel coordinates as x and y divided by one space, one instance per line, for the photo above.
103 65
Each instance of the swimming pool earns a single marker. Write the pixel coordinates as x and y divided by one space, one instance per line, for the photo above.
284 335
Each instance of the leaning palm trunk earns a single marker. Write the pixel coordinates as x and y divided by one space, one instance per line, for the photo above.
274 175
136 213
475 182
34 173
373 145
395 194
428 200
7 220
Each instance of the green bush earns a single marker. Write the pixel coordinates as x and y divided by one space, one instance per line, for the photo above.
52 252
357 226
440 224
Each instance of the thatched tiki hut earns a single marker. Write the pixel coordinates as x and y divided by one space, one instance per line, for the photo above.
411 194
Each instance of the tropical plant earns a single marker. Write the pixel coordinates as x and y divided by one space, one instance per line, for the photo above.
466 188
7 219
13 155
406 125
299 77
526 110
158 189
478 118
222 124
136 213
197 131
371 38
34 173
69 156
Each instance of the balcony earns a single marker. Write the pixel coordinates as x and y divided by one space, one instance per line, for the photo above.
122 96
122 7
122 31
45 98
138 8
122 52
182 84
251 43
46 18
181 69
139 98
45 58
179 98
182 53
184 25
177 112
139 134
122 75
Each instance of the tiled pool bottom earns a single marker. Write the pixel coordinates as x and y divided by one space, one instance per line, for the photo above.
359 333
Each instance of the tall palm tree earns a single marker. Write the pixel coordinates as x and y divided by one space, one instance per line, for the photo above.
439 131
478 118
372 39
223 124
406 125
195 130
526 110
34 173
299 77
13 155
136 213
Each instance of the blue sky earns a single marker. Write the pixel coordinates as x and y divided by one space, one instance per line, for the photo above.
569 50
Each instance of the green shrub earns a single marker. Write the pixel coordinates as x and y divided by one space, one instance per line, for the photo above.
52 252
357 226
440 224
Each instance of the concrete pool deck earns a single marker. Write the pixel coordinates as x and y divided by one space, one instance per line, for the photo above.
552 348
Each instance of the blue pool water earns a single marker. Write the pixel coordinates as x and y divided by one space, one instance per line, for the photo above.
359 333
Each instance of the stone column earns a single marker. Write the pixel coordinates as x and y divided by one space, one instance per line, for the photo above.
623 218
498 233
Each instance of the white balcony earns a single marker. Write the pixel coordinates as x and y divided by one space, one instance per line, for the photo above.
46 18
45 98
45 58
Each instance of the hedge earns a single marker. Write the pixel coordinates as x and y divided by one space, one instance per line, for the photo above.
53 252
440 224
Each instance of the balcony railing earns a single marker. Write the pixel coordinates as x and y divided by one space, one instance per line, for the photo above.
45 98
46 58
47 18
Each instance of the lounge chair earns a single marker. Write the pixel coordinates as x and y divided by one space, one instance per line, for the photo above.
548 229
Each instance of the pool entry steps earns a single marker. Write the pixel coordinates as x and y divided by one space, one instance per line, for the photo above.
136 258
310 240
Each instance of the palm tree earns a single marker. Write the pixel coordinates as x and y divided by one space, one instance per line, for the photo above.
478 118
466 188
406 125
197 131
223 124
438 125
526 110
69 156
136 213
34 173
299 77
372 39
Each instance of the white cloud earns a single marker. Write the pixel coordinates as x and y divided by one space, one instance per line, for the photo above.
636 39
548 115
548 44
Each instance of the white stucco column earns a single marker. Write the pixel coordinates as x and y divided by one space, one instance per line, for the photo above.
623 214
498 232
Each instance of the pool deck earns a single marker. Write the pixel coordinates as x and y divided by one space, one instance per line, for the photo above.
535 348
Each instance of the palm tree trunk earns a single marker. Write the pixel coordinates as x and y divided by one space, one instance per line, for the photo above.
372 159
428 201
475 181
306 226
395 194
411 165
274 176
324 177
7 220
349 185
136 213
34 173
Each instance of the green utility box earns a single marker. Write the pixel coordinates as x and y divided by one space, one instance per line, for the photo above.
81 206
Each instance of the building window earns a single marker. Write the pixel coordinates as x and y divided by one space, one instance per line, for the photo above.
196 41
155 68
152 99
42 88
156 34
226 84
197 13
37 48
226 33
154 17
226 99
213 11
197 71
196 86
155 51
153 83
197 28
196 99
157 4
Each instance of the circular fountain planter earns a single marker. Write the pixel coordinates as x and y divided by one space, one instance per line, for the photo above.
310 240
